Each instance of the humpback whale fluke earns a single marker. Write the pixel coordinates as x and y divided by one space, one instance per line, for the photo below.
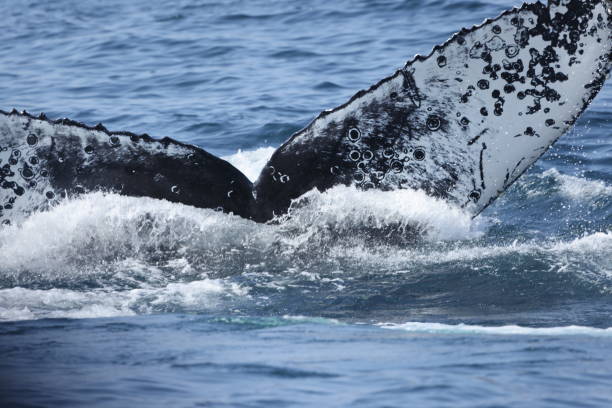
461 124
44 161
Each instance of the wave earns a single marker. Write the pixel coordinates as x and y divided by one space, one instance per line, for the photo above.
577 188
99 235
552 186
329 282
99 232
398 214
593 247
109 255
197 296
512 330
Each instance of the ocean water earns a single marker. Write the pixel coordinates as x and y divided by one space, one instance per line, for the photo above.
109 301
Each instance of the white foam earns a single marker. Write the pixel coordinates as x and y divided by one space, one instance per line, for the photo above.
464 329
251 162
588 258
147 255
27 304
103 229
12 314
600 242
343 208
595 244
577 188
198 295
99 233
103 232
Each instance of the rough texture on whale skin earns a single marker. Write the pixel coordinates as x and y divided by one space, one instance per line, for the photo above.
464 122
43 161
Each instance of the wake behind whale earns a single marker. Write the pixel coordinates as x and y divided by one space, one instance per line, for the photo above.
461 124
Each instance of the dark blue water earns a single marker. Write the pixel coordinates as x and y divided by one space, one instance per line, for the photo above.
118 301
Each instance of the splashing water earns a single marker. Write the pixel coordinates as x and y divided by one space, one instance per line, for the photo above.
109 255
359 299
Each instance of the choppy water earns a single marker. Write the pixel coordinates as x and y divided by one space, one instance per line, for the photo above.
338 306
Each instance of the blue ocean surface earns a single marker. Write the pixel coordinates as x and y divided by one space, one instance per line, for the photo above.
111 301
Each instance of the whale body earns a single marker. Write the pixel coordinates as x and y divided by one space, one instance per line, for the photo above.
462 124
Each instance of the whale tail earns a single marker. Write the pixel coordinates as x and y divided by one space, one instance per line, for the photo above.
461 124
44 161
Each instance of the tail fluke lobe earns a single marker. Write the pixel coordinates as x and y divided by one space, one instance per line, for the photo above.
42 161
462 123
